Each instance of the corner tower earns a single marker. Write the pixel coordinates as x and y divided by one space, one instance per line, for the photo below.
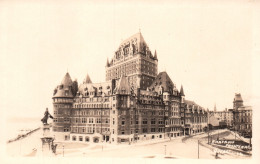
134 60
62 104
238 101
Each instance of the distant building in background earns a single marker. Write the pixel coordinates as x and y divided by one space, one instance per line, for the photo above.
135 103
242 116
225 116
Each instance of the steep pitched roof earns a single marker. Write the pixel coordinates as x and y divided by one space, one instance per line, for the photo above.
67 80
181 91
107 63
123 86
87 80
162 79
138 38
155 55
64 90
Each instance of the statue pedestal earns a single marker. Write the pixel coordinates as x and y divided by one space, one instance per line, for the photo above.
47 140
46 130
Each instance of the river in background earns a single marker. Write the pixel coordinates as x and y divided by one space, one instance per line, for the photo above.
20 125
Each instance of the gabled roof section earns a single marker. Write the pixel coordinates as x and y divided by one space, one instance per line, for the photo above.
162 79
67 80
87 80
188 102
123 86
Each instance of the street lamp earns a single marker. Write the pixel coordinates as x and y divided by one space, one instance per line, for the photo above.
63 150
165 149
198 149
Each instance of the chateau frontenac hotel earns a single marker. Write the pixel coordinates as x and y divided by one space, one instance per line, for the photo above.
135 103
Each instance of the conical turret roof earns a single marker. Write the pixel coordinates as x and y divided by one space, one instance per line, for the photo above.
67 80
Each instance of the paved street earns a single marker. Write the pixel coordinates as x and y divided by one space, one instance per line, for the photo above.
182 147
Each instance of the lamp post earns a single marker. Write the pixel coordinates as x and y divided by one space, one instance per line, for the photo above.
165 149
198 149
63 150
102 101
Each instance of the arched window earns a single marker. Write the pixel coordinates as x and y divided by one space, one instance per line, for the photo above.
86 139
74 138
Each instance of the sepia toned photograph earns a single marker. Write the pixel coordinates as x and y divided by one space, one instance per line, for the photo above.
157 80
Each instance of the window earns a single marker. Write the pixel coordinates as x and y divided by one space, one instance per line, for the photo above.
122 132
98 120
66 129
80 138
74 138
153 121
152 129
87 139
144 121
160 121
123 121
145 130
84 120
90 120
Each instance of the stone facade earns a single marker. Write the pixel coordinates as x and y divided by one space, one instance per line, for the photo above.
135 103
242 116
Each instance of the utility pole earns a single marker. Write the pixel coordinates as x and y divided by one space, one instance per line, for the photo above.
165 150
198 149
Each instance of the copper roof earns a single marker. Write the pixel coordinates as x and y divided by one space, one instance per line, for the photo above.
123 86
163 80
67 80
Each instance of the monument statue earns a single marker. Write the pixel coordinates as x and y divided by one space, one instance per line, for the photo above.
46 116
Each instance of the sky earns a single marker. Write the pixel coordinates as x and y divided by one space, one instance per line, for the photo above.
206 46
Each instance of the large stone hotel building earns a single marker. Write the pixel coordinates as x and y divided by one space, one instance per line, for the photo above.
135 103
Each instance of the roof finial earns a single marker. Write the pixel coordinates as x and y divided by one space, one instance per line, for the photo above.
107 62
